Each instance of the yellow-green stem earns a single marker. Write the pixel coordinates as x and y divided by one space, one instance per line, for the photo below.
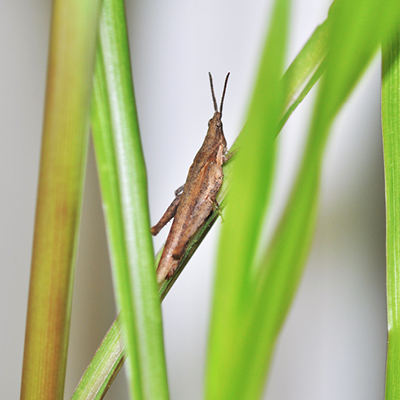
63 156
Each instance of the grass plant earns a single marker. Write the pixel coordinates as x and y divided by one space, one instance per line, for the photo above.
255 281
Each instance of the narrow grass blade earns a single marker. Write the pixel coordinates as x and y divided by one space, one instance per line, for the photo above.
251 181
108 176
104 367
124 191
305 69
64 148
391 149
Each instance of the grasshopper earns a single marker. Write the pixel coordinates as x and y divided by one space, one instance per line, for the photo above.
196 199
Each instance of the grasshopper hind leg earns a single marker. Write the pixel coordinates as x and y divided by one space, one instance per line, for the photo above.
168 215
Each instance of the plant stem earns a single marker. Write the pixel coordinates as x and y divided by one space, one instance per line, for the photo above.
63 158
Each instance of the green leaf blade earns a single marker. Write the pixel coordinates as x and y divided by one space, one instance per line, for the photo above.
252 172
124 190
104 143
105 365
391 149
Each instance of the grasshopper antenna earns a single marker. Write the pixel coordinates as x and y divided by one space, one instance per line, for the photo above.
223 93
212 92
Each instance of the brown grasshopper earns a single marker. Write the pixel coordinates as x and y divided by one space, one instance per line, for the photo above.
196 199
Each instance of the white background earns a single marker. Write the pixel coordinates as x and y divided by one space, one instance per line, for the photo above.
333 343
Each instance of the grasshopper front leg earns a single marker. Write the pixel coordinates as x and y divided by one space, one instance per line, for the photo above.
228 155
179 190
